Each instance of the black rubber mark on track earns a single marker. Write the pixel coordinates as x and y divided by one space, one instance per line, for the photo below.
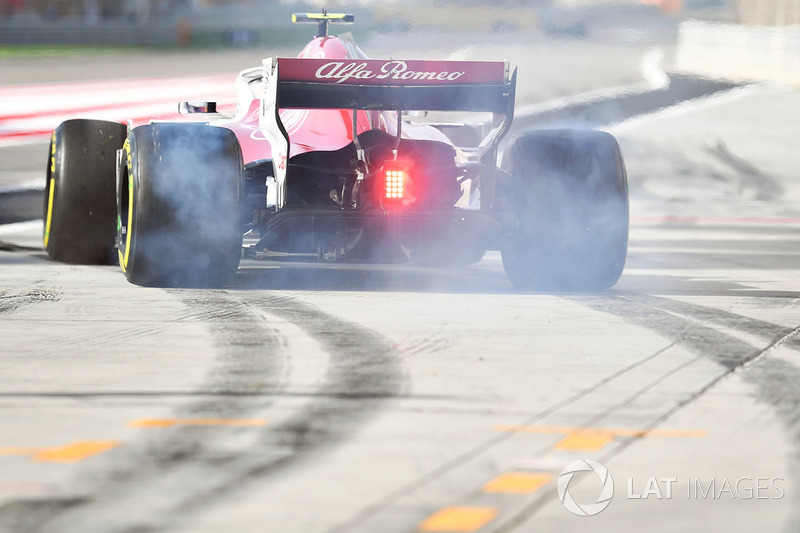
392 498
682 321
679 322
17 518
165 477
11 247
611 110
767 188
775 380
140 463
12 302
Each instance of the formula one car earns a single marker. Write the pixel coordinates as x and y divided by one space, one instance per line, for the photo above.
322 162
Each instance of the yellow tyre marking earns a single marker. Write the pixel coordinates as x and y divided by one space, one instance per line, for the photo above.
49 212
53 153
52 185
123 258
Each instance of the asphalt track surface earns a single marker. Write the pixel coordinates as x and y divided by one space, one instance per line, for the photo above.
396 398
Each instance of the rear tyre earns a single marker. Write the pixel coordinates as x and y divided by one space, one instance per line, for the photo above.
569 190
79 203
179 206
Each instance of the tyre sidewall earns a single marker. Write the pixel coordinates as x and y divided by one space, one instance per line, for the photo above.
569 190
79 221
167 246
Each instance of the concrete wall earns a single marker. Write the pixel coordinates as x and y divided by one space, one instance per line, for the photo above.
740 52
74 32
768 12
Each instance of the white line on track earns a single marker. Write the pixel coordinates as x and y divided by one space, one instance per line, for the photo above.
692 106
29 113
650 68
17 227
706 250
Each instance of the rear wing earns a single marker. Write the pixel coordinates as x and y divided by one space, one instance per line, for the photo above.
393 85
386 85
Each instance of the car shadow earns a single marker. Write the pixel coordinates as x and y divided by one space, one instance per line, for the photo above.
269 275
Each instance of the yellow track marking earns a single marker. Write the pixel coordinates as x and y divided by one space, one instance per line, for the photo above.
634 433
517 483
456 519
169 422
459 519
71 453
585 441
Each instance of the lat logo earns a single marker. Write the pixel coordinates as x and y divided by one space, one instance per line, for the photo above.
585 509
391 70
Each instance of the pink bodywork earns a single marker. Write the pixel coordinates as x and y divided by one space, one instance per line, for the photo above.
309 130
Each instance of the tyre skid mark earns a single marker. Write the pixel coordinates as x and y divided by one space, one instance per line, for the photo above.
13 302
369 512
363 367
144 463
682 324
428 345
775 380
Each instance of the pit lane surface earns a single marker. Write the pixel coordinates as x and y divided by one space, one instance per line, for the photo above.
375 398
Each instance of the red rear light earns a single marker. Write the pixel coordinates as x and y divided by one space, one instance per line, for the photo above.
396 184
